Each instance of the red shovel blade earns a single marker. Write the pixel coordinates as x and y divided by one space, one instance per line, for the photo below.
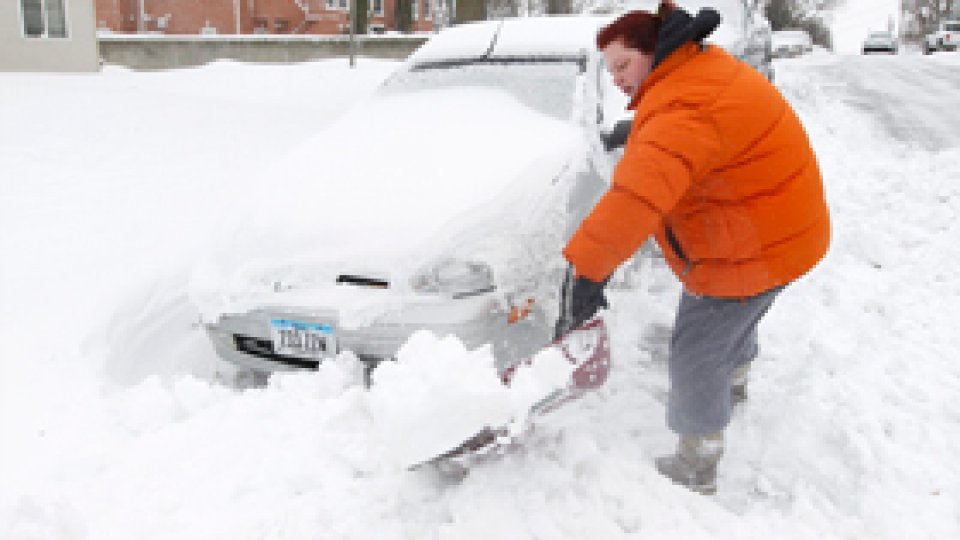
587 347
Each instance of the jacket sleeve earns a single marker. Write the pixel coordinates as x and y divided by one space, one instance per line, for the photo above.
663 157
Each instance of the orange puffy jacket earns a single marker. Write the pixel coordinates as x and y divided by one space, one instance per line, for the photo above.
718 166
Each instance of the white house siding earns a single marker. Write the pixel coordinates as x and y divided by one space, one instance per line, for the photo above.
75 52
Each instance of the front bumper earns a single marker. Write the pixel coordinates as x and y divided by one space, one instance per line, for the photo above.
245 340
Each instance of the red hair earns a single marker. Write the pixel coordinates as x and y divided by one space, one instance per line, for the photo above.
636 29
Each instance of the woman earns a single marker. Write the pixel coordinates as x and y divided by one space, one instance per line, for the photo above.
719 168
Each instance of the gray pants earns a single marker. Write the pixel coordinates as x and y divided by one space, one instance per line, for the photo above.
711 338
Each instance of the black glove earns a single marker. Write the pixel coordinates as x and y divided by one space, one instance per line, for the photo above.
617 137
580 299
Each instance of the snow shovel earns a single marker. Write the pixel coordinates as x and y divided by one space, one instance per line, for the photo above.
586 347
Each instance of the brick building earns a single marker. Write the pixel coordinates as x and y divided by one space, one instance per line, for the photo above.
253 16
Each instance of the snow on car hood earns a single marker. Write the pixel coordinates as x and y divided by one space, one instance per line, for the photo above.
381 189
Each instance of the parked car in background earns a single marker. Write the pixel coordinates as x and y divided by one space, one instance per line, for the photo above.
946 38
880 41
790 43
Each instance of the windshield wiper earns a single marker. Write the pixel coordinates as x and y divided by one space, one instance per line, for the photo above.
484 60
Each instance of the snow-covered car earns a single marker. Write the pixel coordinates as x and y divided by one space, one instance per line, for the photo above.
946 38
881 41
441 203
790 43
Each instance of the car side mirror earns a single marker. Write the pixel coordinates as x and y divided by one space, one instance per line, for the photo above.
617 137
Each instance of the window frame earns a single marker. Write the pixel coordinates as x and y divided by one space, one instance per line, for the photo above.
45 21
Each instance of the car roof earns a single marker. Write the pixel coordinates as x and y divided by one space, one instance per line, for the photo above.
529 37
555 35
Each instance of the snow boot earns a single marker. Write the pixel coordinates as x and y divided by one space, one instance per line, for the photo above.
738 384
694 465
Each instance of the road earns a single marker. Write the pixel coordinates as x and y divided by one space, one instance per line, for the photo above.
915 98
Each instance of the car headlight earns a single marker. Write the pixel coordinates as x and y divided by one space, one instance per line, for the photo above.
456 277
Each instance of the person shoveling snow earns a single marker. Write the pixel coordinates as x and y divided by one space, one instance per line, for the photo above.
718 166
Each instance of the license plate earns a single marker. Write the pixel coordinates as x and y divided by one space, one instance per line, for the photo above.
304 339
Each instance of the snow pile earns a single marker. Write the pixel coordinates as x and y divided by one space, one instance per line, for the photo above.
438 394
548 370
375 212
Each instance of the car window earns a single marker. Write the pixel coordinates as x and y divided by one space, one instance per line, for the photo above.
881 35
545 86
952 27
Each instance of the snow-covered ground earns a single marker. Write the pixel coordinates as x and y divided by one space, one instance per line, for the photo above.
115 424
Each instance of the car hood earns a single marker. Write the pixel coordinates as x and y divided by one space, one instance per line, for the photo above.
393 173
387 186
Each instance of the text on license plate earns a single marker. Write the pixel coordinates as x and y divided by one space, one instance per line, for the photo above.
301 338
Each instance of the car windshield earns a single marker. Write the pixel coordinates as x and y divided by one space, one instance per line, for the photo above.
952 27
881 35
546 86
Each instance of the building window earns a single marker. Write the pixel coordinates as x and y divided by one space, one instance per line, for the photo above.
377 7
44 18
413 10
426 9
345 4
